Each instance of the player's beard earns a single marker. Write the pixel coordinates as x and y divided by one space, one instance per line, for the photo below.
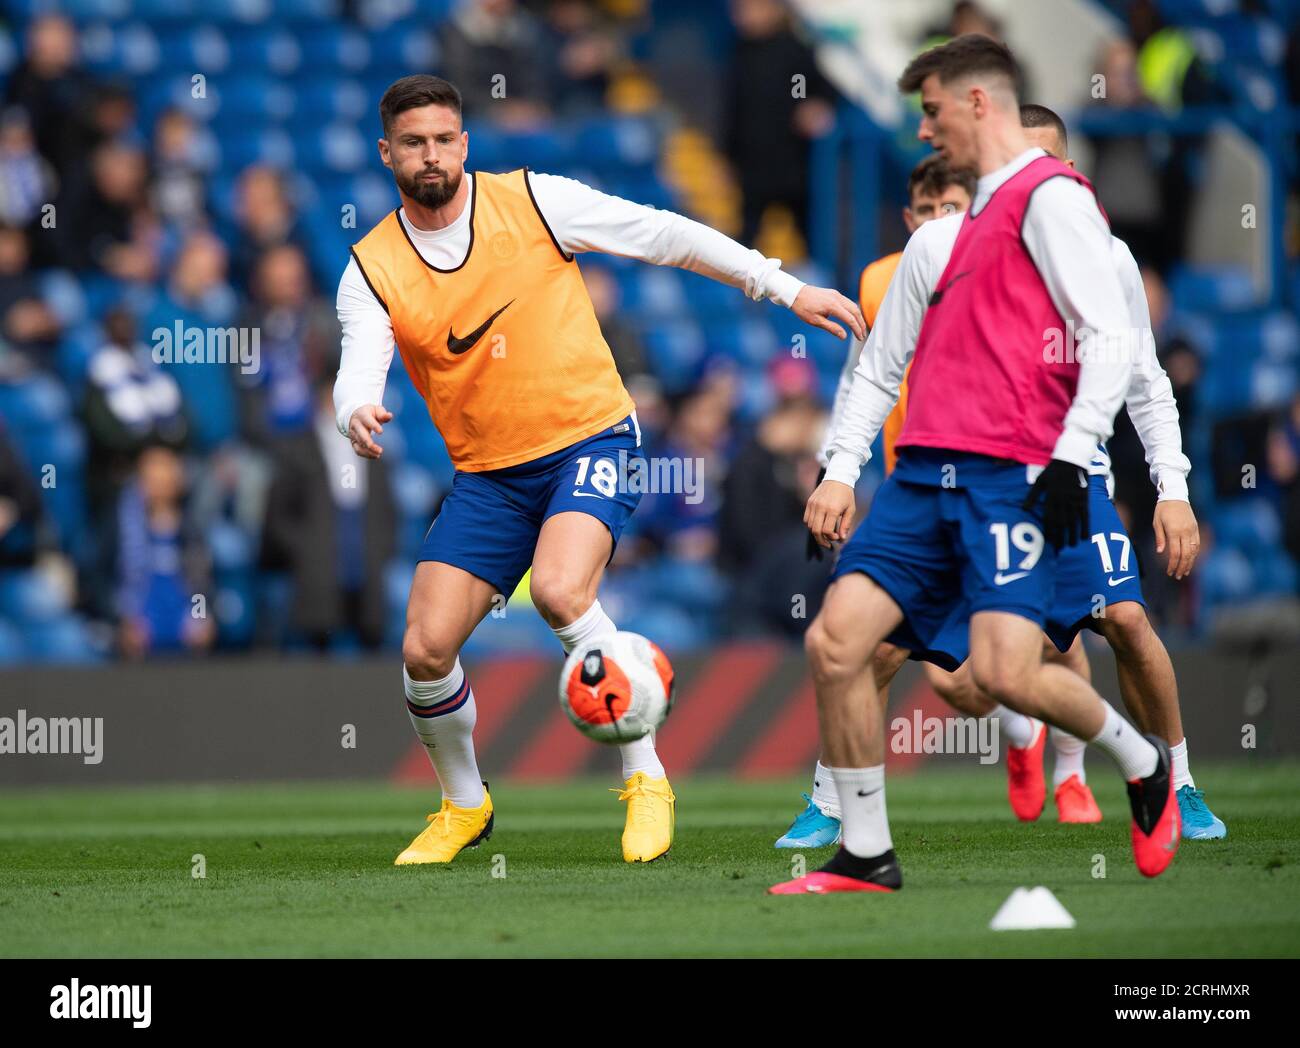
431 194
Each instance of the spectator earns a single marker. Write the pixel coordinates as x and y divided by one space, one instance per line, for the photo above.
131 403
27 180
683 522
54 93
178 188
586 50
1284 471
299 339
769 125
624 342
198 299
330 522
23 525
105 222
1127 176
161 564
762 520
266 218
490 51
29 327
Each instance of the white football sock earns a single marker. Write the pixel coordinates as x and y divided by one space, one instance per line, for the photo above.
865 824
1182 775
1069 757
823 794
637 756
443 714
591 623
1136 757
1018 729
640 756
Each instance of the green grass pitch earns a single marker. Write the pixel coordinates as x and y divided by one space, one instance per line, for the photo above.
306 871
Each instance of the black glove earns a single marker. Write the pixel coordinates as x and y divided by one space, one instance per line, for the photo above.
814 551
1063 487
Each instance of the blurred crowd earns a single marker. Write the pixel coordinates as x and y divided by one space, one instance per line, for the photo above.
182 466
156 475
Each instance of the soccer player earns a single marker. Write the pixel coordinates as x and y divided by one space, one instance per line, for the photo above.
1004 419
1085 572
473 279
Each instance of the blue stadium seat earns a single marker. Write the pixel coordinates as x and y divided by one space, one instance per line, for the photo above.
13 648
619 142
334 46
677 352
1250 524
66 640
338 147
243 102
307 10
1273 384
1226 576
325 98
748 340
30 597
1225 288
271 48
653 292
131 47
194 49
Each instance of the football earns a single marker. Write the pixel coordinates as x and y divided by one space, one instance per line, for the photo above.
616 688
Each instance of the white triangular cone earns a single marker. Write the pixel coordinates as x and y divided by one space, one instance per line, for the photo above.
1028 908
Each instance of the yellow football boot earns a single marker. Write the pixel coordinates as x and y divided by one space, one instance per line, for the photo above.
450 830
651 815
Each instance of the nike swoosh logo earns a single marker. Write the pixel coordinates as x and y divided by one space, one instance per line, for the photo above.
1116 582
934 299
868 793
463 345
586 495
1001 580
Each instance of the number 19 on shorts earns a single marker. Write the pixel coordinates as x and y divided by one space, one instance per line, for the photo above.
1026 538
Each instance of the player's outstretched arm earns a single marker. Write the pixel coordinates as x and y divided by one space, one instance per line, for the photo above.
585 219
365 424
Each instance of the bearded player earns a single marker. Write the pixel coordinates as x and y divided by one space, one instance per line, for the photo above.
991 483
1099 568
473 279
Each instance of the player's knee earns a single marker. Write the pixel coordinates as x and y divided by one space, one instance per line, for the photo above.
828 655
559 599
1007 685
426 657
1125 626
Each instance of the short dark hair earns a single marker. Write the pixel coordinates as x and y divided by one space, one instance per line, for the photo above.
934 174
1034 115
966 55
412 92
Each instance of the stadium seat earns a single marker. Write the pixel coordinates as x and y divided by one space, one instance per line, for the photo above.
30 597
677 352
13 649
1249 524
66 640
1224 288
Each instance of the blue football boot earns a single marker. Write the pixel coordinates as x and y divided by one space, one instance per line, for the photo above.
1199 823
811 829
